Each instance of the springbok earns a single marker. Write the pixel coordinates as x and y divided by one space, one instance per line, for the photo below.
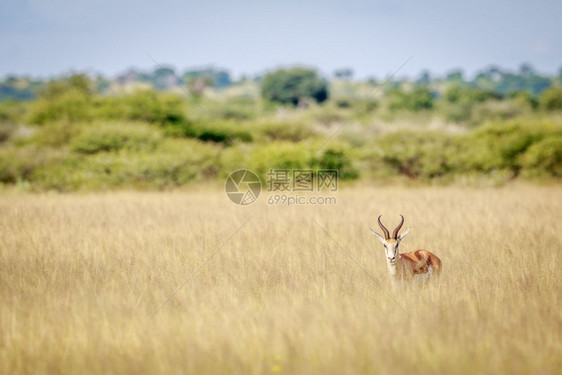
417 264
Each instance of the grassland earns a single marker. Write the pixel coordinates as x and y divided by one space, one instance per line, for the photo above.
81 274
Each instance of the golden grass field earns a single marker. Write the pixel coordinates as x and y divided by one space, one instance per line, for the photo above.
81 274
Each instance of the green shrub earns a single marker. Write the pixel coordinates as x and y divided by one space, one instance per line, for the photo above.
327 115
368 107
143 105
498 146
344 102
337 157
354 105
281 155
416 100
494 110
551 99
459 93
457 112
12 112
415 154
225 133
283 131
6 132
54 134
524 98
77 83
459 102
69 99
114 137
20 163
237 108
544 158
173 163
292 156
70 106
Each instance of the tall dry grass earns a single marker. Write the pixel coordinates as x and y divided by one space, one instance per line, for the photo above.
80 276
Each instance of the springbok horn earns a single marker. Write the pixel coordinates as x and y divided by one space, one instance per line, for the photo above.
386 234
395 233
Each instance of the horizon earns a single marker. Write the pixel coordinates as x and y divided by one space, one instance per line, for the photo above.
179 71
373 39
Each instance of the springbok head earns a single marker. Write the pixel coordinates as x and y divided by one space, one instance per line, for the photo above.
391 243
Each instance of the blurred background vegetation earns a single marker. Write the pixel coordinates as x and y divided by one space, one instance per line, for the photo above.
163 129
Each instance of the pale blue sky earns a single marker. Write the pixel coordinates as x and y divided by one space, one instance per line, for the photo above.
373 37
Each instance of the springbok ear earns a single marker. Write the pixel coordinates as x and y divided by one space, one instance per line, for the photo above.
400 237
380 238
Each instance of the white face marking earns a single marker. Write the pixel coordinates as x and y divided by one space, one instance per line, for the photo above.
391 250
390 246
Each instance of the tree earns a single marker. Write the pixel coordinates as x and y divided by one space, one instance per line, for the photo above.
456 75
164 78
289 86
211 76
345 74
424 79
526 69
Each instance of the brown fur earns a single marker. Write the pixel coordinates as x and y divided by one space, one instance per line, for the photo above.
418 261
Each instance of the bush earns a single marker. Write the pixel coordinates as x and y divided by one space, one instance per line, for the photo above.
143 105
6 132
173 163
209 132
362 106
418 99
415 154
326 115
54 134
459 102
238 108
79 83
73 105
505 149
281 155
551 99
69 99
494 110
544 158
283 131
289 86
458 93
20 163
337 157
114 137
11 112
344 102
524 98
292 156
498 146
70 106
